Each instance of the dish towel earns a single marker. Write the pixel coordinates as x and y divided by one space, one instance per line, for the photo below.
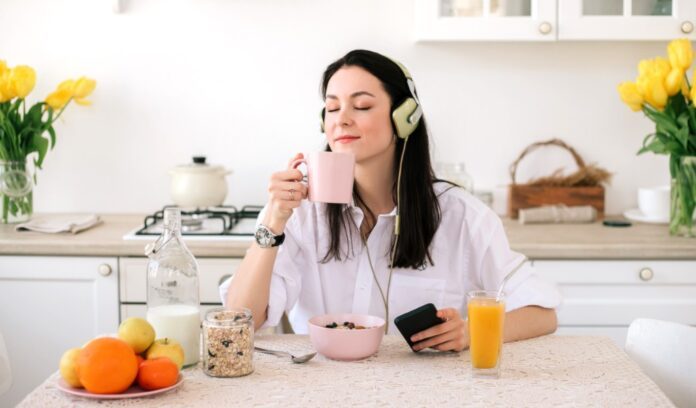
61 223
558 214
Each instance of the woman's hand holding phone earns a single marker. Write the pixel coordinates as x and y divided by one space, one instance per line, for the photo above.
450 335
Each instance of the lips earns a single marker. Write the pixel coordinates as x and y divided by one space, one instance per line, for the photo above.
346 139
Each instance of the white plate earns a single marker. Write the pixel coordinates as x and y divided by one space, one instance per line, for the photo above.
133 392
636 214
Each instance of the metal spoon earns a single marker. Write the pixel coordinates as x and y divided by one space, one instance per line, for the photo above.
296 360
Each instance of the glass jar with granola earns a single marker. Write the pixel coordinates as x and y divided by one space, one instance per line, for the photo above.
228 342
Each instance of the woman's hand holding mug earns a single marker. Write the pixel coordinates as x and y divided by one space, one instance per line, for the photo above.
285 192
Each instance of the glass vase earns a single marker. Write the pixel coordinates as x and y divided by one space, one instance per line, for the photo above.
683 197
16 201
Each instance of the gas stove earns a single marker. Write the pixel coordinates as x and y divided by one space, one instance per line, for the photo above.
215 223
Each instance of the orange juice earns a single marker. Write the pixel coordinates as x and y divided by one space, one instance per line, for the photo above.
486 317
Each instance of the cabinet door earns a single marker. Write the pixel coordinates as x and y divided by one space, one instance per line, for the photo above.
51 304
604 297
497 20
626 19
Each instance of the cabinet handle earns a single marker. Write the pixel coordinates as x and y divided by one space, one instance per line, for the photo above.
105 269
545 27
224 278
687 27
646 274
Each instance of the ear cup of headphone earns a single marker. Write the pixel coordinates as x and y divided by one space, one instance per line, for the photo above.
406 117
321 119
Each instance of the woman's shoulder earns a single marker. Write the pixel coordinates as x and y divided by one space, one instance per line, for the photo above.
458 205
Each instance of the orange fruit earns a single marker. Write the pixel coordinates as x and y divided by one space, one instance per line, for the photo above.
107 366
157 373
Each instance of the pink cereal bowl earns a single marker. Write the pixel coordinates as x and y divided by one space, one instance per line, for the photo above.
346 345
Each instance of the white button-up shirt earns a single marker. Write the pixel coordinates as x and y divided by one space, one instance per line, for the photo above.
470 251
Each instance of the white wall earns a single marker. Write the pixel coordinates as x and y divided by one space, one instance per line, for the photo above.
238 80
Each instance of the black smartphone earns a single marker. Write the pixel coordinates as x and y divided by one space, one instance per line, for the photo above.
616 223
417 320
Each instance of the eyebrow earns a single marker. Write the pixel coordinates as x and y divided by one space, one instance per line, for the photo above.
353 95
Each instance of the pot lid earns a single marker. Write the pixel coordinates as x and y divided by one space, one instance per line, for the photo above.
198 165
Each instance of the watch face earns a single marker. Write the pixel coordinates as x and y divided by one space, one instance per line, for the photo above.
263 237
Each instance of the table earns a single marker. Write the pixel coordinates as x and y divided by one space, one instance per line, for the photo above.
546 371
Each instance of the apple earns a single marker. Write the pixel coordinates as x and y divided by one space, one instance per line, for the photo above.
68 363
137 332
166 347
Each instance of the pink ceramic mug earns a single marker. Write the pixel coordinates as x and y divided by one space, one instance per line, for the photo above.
330 176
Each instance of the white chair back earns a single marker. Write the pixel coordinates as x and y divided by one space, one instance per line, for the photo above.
666 352
5 372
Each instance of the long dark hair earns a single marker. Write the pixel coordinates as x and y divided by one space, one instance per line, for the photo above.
419 209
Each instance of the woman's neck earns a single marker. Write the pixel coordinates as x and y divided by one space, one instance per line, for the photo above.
374 181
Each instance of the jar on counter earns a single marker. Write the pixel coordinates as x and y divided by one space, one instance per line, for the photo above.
228 342
455 173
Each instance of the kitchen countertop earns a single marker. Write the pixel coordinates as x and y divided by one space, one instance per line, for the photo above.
547 371
541 241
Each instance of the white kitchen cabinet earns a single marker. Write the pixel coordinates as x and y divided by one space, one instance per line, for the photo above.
498 20
626 19
550 20
49 304
604 297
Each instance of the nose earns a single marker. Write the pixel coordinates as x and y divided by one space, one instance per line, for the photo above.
343 118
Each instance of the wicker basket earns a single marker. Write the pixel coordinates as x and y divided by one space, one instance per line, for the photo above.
526 195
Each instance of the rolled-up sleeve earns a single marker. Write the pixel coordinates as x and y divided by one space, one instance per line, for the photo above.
286 281
524 288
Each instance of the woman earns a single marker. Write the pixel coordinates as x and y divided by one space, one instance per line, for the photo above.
336 258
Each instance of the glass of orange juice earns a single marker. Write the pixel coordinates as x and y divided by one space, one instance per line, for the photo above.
486 320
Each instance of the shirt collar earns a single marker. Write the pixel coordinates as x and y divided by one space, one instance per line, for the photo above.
357 210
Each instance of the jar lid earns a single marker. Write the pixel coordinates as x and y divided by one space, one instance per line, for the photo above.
198 165
228 317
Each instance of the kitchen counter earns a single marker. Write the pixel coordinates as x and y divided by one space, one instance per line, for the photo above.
545 241
547 371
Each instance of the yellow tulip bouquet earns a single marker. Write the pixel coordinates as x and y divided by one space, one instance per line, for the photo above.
664 94
24 131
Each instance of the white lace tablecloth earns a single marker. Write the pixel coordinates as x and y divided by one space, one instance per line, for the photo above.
547 371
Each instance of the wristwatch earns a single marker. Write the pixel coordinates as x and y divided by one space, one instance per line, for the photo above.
267 239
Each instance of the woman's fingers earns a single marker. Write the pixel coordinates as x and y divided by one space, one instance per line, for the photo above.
449 335
289 190
298 156
287 175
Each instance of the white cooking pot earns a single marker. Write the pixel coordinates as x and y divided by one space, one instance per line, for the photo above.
198 184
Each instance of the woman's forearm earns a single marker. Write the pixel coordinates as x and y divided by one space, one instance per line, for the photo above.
251 284
527 322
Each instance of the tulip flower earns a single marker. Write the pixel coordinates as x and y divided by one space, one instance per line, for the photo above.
655 92
6 89
59 98
673 81
680 53
22 79
630 95
82 89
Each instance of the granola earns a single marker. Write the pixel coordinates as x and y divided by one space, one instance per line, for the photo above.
228 337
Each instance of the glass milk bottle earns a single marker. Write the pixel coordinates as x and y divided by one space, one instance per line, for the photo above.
172 288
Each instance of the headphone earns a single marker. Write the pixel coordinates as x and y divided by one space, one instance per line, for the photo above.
407 115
